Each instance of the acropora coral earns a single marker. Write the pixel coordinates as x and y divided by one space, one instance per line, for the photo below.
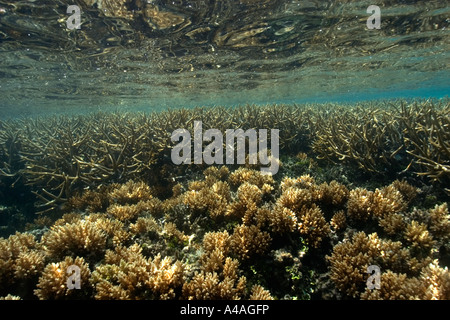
139 227
216 237
59 157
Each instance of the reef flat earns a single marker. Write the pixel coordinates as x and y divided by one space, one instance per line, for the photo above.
358 186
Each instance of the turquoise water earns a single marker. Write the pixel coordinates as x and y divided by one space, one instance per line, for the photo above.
159 54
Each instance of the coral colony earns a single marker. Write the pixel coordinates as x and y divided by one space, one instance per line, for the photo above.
120 220
213 153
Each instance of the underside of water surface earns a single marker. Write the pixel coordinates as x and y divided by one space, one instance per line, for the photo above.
126 162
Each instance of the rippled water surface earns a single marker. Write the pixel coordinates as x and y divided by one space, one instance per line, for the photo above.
156 53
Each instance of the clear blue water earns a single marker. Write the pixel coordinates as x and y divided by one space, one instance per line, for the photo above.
160 54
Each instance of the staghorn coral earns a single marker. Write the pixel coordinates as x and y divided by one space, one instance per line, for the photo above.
427 138
52 283
60 156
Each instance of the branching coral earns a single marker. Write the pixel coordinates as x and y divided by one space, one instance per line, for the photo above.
53 281
259 293
214 286
403 276
20 258
363 204
427 135
127 274
247 241
81 238
60 156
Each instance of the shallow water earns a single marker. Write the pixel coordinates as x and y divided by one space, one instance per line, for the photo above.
358 181
150 55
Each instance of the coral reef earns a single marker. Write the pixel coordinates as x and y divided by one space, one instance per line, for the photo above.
231 232
58 157
53 281
127 274
228 229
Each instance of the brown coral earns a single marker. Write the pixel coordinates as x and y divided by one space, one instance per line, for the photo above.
418 236
249 240
17 253
259 293
213 285
363 204
53 281
313 225
127 274
79 238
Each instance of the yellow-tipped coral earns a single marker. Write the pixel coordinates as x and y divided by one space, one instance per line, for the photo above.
127 274
79 238
52 284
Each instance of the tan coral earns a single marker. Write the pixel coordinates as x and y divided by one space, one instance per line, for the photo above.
79 238
224 284
363 204
418 236
18 252
259 293
283 219
439 225
339 220
437 282
251 176
395 286
392 223
249 240
130 192
127 274
53 281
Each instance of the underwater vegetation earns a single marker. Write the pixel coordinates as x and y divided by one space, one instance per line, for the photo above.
139 227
